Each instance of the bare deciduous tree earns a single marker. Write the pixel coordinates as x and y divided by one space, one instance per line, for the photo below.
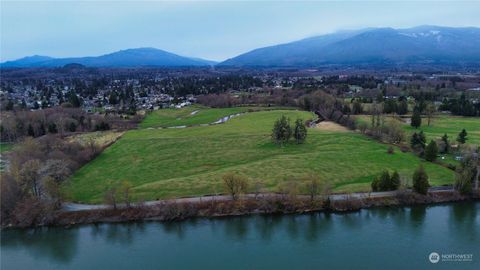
29 177
110 196
430 111
313 187
235 184
126 187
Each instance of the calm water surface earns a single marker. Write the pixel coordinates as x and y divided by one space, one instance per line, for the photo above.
383 238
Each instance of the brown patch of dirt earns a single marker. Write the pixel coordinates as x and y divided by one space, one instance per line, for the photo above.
331 126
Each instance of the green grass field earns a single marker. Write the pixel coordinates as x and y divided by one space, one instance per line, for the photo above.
5 147
451 125
167 163
191 115
441 124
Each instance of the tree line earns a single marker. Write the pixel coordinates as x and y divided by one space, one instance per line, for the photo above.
37 168
58 120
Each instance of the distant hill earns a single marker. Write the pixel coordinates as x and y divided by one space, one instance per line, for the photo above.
124 58
418 45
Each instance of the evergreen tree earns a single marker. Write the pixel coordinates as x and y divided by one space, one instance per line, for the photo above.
421 137
394 181
52 128
416 120
41 130
446 149
390 106
431 151
462 136
72 127
384 181
420 181
414 140
282 131
73 99
357 107
30 131
300 132
9 105
375 184
417 142
402 107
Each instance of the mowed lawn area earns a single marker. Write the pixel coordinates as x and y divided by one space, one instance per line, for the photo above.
441 124
168 163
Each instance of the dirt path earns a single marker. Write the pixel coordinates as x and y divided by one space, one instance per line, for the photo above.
74 207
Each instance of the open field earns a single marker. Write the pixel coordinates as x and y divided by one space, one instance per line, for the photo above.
167 163
452 125
441 124
191 115
101 138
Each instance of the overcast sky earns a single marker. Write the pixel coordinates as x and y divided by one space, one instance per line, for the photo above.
212 30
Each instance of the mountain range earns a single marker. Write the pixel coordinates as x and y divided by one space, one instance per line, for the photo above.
384 46
140 57
418 45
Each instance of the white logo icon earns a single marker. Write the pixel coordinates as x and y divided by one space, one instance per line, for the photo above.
434 257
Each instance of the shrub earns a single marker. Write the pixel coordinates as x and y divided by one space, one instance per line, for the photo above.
463 182
394 132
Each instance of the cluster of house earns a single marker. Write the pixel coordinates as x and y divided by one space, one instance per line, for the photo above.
30 97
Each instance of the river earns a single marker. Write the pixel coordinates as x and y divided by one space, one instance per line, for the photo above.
380 238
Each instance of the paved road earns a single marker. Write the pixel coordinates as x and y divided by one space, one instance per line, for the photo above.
73 207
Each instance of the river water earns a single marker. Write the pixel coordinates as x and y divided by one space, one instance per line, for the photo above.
380 238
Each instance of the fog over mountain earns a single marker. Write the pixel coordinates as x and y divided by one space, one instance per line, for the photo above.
418 45
377 46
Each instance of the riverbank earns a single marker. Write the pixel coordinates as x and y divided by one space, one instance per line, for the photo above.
379 238
221 206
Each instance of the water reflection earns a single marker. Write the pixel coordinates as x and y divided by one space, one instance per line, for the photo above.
267 225
317 225
464 217
292 226
237 228
351 221
315 232
57 244
417 215
176 228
